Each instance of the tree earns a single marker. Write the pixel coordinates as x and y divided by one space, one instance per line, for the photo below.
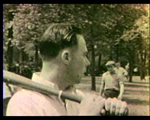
135 43
104 26
9 11
143 43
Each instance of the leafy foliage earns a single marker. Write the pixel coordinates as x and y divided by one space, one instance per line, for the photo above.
109 27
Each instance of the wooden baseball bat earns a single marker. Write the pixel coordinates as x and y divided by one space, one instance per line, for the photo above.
26 83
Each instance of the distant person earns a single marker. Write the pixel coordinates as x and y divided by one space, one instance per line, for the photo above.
127 67
120 70
112 84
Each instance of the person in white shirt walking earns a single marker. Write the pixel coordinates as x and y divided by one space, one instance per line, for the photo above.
112 84
121 71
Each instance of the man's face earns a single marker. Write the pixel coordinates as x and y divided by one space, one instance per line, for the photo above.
79 61
110 68
117 64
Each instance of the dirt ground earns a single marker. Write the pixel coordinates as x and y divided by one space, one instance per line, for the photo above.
136 94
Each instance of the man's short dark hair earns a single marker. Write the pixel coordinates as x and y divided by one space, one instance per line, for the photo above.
57 37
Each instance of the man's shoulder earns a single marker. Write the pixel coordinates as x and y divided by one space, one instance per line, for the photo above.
27 96
26 102
26 93
122 68
105 73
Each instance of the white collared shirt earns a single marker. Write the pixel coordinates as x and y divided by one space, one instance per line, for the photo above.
112 81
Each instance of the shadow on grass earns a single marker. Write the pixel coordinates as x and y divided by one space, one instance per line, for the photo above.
138 86
136 101
141 82
136 91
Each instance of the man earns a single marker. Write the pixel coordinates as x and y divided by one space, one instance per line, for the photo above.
112 83
121 70
127 69
63 51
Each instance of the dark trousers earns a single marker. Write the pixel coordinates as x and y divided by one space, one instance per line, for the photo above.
111 93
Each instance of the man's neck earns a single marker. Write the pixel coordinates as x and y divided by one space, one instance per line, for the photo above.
112 72
54 73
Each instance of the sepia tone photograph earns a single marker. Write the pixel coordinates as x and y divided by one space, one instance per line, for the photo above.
76 60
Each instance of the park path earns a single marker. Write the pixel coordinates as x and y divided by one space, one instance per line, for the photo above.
136 94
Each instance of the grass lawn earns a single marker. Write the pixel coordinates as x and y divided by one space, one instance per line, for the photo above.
136 94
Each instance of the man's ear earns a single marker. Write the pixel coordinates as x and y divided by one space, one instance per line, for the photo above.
66 56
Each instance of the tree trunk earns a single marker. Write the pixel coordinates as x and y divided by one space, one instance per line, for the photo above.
99 62
117 52
111 52
10 56
36 57
142 74
10 50
21 61
143 66
10 47
130 70
93 67
131 56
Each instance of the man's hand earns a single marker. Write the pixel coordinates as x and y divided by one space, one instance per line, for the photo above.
91 105
115 107
97 105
